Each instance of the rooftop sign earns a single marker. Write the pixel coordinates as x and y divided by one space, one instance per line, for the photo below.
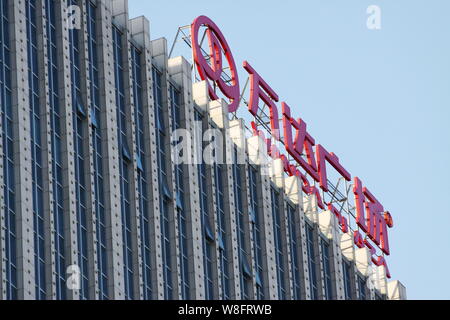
371 218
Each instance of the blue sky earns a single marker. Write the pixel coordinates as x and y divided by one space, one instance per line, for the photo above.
379 99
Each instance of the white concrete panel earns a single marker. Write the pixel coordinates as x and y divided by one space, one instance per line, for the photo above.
347 247
362 261
276 170
396 290
200 94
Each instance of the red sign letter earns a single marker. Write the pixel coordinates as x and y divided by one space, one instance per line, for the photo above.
377 221
260 89
213 71
322 156
303 142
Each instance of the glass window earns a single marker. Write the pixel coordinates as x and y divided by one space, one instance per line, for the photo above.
326 260
347 279
95 111
124 164
362 283
165 193
37 187
209 238
246 273
181 214
257 226
142 176
277 229
222 228
79 134
294 251
312 265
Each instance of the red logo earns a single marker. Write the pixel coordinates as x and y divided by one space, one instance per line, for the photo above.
213 70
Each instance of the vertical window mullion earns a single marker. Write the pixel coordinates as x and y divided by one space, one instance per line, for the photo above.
55 137
36 153
124 161
312 262
142 173
97 138
165 194
181 212
79 134
208 233
326 269
347 280
245 280
295 263
256 217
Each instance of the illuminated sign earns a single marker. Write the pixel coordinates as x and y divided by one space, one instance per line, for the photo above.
371 217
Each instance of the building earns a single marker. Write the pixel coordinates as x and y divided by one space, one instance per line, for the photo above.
92 205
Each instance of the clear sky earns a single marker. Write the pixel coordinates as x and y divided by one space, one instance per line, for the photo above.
379 99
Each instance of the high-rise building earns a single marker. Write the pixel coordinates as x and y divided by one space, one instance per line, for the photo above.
93 205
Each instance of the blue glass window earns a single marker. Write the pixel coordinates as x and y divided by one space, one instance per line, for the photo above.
142 172
81 109
326 269
242 229
209 238
362 283
312 265
175 98
124 163
256 218
79 134
294 250
165 195
222 228
95 111
36 151
56 142
10 263
347 280
279 254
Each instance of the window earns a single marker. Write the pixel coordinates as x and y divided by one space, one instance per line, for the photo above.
165 195
245 274
56 146
167 262
181 212
257 225
347 279
36 152
142 173
362 282
326 269
209 238
79 134
222 228
312 262
8 151
124 164
294 247
279 254
93 64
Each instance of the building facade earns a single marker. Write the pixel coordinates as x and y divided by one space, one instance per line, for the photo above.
93 205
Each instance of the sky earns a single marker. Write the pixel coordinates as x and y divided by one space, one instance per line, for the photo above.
379 99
